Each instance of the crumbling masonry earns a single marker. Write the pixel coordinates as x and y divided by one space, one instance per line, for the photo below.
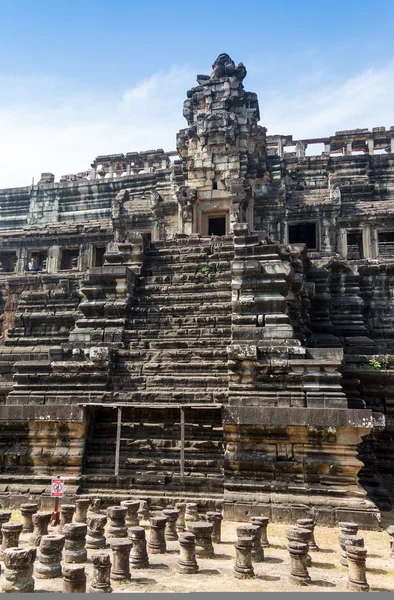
215 323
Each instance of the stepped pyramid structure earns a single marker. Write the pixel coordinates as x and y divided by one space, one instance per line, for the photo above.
213 323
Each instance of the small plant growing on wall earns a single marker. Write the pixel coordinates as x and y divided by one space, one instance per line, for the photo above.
380 366
206 270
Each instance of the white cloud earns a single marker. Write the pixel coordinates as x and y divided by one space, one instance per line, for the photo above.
46 126
364 100
53 125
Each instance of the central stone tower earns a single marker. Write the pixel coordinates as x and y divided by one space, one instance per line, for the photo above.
222 152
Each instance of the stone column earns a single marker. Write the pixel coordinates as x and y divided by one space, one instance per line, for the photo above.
191 513
95 506
342 242
366 241
95 538
170 532
138 555
216 519
116 527
298 568
40 527
203 533
301 149
18 572
5 516
82 505
253 531
390 531
132 507
74 547
187 563
120 558
66 515
49 556
349 540
157 541
302 535
11 533
27 512
357 580
345 530
180 522
263 524
143 511
309 524
101 575
74 579
374 243
243 568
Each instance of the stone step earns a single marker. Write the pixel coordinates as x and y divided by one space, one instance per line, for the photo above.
175 354
153 269
125 367
183 278
194 252
222 333
151 484
159 322
180 344
190 297
162 396
141 310
168 259
180 382
142 466
36 341
196 287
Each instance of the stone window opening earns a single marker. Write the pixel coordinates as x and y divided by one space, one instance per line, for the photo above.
303 233
40 259
98 259
385 243
7 262
355 249
69 260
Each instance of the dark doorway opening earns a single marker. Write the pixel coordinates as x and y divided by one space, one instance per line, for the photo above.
99 252
303 233
217 226
354 245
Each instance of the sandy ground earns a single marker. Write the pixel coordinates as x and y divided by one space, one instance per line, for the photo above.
216 574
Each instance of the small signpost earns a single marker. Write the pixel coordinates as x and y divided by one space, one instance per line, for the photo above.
57 490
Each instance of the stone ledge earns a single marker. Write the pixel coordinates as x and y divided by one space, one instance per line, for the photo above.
309 417
61 412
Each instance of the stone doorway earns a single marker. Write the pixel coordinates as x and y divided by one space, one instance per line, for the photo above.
217 225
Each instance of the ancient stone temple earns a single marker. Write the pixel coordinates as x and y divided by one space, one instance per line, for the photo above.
214 323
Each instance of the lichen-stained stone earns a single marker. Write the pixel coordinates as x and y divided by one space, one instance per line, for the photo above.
49 556
18 570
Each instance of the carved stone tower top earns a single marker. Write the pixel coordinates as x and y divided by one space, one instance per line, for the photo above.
222 148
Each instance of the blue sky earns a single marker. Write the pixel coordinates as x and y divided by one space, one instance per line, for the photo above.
78 79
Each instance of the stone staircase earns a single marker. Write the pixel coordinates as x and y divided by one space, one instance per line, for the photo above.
177 332
179 326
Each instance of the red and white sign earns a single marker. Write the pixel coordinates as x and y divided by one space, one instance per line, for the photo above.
57 488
